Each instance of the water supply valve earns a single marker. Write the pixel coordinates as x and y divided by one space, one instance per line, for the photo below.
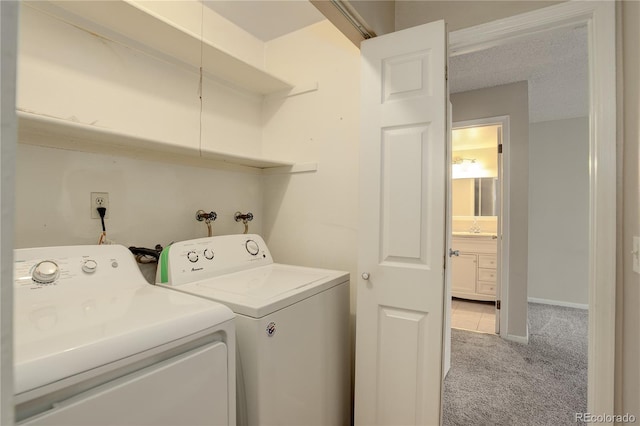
207 217
245 218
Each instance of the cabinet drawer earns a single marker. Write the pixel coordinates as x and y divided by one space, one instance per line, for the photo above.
487 275
487 261
486 288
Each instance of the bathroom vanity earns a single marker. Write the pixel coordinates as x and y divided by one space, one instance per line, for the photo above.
473 272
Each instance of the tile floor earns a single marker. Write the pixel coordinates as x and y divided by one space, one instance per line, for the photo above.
473 315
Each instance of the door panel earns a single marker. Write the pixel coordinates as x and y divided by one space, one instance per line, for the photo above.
406 151
403 347
402 238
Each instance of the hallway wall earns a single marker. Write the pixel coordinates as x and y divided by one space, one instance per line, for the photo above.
559 211
511 100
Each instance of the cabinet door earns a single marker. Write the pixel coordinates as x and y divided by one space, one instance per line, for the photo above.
463 273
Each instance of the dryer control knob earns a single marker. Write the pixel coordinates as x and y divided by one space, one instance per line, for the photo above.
252 247
208 253
192 256
89 266
45 272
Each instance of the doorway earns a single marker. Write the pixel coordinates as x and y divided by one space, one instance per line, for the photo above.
600 20
477 177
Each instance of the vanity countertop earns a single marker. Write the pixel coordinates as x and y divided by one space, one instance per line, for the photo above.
466 234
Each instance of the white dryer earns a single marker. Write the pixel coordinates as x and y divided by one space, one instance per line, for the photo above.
95 344
292 327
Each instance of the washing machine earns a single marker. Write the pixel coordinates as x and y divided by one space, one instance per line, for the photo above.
292 327
95 344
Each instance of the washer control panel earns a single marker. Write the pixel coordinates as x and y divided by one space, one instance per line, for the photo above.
192 260
252 247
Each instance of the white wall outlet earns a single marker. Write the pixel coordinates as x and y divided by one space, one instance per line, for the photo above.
636 254
99 199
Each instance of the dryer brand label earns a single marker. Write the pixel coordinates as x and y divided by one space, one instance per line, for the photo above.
271 329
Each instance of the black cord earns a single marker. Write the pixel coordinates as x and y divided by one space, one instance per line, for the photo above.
155 253
102 211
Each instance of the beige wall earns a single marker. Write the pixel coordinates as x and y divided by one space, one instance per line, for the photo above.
460 14
559 211
311 218
628 313
149 202
511 100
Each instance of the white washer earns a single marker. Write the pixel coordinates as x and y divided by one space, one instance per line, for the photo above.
292 327
95 344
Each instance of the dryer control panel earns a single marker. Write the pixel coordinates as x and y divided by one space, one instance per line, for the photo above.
80 266
194 260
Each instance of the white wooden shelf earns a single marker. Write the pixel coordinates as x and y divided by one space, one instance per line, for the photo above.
128 23
34 129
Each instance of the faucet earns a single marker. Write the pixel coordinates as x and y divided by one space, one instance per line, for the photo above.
475 228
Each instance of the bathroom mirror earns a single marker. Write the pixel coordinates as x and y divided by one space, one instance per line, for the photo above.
475 196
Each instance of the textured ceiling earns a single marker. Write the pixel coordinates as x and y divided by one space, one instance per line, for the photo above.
554 62
267 19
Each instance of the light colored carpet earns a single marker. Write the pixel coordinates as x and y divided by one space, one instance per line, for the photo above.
496 382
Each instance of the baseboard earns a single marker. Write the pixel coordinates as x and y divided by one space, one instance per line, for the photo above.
518 339
558 303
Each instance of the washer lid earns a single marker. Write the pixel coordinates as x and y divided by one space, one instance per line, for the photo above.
260 291
86 320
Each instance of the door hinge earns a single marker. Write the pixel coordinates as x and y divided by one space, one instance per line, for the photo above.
497 304
446 73
499 148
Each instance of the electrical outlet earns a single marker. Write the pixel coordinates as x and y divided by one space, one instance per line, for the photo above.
99 199
636 254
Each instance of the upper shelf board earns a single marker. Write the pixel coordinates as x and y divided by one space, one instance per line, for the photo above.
127 23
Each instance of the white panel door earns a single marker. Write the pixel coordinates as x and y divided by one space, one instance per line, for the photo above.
402 237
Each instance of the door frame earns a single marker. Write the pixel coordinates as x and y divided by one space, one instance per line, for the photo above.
8 150
599 18
503 219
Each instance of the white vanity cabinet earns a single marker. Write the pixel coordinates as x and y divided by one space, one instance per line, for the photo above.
473 272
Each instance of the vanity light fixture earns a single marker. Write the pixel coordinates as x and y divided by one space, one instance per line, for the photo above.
460 160
467 168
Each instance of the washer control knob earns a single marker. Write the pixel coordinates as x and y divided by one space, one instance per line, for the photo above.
252 247
192 256
45 272
89 266
208 253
